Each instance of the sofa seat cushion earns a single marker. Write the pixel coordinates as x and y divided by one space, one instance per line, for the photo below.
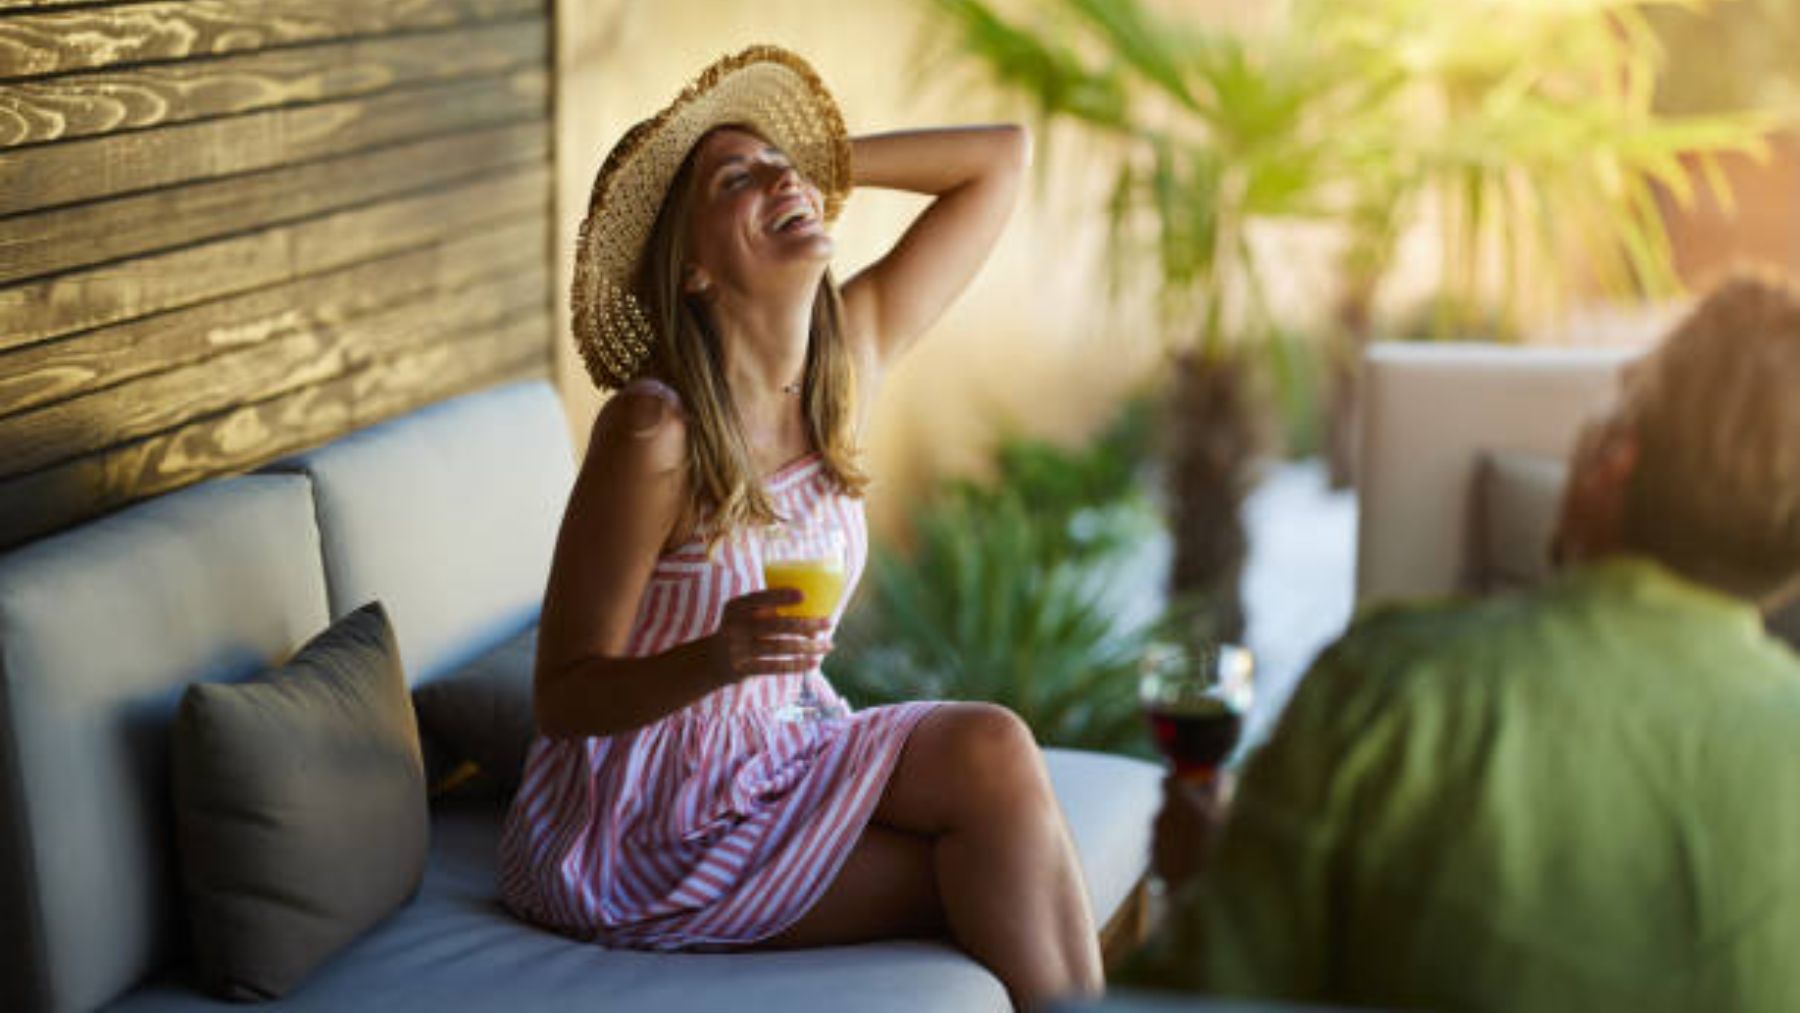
455 948
1110 802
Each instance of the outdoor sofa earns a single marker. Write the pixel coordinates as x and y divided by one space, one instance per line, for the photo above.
446 516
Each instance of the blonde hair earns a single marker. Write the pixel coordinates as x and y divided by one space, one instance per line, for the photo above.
1716 411
688 354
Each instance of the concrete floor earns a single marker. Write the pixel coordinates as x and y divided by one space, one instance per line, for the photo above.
1299 587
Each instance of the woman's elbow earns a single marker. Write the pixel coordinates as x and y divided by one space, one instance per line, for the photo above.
549 711
1015 145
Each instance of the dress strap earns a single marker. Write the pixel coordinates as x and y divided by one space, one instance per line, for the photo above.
654 387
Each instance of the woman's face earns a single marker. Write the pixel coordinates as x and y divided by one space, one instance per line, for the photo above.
755 220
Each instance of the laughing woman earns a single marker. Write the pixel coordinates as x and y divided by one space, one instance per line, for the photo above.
676 798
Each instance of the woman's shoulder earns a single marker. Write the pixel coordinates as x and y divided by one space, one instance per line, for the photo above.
642 428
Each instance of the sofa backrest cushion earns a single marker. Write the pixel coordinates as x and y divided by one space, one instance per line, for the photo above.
447 515
101 628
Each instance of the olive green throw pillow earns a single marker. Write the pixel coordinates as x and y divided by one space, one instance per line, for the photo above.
300 808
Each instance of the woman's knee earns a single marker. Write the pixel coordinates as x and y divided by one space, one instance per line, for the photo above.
994 752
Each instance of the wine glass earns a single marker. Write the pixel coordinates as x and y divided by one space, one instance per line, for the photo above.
1196 700
811 558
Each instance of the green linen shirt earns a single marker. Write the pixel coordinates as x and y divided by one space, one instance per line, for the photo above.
1582 797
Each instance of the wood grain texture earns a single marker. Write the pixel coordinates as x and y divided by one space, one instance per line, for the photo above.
56 370
244 437
86 104
42 42
233 229
34 439
48 175
38 310
59 239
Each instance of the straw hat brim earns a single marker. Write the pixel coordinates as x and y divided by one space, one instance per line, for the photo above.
767 88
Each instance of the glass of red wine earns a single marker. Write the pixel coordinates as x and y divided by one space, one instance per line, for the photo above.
1195 699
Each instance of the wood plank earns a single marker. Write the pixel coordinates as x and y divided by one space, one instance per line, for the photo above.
55 370
81 105
61 239
54 42
38 310
35 439
64 173
44 501
31 5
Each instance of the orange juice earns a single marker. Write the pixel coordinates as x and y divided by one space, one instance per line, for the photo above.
820 581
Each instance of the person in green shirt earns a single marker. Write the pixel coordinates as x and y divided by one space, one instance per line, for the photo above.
1586 796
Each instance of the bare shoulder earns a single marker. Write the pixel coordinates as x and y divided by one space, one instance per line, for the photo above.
639 433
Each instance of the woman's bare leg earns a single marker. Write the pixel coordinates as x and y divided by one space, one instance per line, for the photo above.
973 809
886 888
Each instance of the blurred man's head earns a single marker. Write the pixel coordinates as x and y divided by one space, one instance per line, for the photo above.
1699 465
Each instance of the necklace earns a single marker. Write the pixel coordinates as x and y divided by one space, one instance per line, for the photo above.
792 388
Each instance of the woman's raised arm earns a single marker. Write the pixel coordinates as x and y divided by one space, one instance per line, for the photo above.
974 172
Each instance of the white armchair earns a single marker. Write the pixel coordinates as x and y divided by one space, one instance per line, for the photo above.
1463 450
1432 415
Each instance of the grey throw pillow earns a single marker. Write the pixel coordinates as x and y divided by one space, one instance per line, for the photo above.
482 711
1786 625
300 808
1520 500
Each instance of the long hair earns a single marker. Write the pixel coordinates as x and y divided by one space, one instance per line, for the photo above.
688 354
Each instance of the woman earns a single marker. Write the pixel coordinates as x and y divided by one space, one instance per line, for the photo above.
666 803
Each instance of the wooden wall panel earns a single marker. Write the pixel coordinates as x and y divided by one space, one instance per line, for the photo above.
39 42
90 168
233 230
80 105
57 239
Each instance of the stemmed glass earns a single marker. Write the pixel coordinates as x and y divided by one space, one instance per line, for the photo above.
811 558
1196 700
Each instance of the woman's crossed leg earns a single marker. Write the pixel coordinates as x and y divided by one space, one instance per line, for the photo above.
968 836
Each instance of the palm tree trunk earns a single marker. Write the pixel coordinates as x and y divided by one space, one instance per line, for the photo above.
1213 442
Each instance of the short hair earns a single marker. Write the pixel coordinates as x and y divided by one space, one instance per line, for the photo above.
1716 410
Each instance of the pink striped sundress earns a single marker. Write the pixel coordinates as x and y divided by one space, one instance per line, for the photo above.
718 825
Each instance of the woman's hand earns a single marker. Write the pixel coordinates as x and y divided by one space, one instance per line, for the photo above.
752 640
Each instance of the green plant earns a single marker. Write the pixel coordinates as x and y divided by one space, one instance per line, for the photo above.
1204 134
1025 590
1090 501
984 608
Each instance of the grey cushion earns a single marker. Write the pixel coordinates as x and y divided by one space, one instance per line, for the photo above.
300 808
100 629
1519 500
447 515
455 948
482 711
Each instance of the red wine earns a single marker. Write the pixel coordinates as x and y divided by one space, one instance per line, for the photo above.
1196 735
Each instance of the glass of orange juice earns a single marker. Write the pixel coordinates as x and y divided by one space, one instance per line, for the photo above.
811 559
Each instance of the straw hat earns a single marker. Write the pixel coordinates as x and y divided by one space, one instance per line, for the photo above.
765 87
